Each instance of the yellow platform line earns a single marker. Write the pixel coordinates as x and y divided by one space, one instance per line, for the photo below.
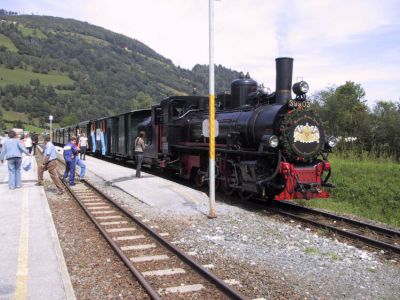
21 288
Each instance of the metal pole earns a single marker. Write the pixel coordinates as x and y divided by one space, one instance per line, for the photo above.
212 213
50 119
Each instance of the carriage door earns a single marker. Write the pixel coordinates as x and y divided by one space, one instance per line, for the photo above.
157 128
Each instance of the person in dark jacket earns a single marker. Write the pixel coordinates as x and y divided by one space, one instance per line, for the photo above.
35 141
139 149
70 152
12 151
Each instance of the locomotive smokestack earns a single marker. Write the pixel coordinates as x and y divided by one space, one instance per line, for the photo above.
284 70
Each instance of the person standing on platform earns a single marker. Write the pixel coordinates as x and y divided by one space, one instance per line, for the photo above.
12 151
83 140
28 143
70 152
139 149
49 163
35 141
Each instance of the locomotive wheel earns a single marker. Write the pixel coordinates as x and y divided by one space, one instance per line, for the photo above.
226 189
199 180
245 195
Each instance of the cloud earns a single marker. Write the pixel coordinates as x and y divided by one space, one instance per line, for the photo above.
331 41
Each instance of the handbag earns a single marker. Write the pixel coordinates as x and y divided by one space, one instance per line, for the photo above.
26 163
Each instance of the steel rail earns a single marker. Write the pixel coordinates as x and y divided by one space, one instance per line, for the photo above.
349 234
389 232
221 285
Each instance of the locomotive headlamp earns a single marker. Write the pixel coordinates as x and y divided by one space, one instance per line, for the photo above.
332 141
268 141
300 88
273 141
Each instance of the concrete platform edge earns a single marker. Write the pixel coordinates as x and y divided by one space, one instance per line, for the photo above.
62 267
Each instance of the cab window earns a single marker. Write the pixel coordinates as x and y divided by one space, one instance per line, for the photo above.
177 109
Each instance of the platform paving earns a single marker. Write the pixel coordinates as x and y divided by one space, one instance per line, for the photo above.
152 190
32 264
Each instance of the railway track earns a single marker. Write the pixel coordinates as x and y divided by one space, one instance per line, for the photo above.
163 270
375 236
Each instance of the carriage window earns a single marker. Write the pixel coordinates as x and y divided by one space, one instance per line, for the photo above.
177 109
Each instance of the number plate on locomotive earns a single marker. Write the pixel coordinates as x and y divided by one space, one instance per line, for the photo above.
298 104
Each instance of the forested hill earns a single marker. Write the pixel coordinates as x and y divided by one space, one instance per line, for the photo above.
75 70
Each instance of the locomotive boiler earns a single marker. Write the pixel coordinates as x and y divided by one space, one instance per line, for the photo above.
269 145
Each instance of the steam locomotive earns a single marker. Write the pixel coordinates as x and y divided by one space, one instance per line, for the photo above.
268 145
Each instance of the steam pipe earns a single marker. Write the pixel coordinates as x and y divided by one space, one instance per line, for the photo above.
278 165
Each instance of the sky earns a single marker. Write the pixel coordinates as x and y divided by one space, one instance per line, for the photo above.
331 41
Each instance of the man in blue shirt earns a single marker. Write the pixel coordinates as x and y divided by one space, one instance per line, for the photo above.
49 163
70 152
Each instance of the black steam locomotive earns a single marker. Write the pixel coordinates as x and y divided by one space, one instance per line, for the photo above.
269 145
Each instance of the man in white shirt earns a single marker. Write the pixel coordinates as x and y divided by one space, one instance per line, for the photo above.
83 141
28 143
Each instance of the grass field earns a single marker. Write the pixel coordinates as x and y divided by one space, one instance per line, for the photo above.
23 77
367 188
30 128
6 42
29 32
14 116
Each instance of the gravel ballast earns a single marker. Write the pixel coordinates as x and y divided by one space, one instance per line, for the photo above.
271 258
268 257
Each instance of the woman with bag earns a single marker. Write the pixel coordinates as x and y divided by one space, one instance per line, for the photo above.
12 151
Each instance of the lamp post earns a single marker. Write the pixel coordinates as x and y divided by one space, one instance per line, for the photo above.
51 120
211 167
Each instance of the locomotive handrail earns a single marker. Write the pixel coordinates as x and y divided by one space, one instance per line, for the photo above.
186 113
222 150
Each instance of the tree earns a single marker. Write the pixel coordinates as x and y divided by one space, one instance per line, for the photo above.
34 82
2 123
142 100
18 124
386 129
345 111
70 119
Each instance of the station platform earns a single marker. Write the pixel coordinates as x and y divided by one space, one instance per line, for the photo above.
32 264
159 193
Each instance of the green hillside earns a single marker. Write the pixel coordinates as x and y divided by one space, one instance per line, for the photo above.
7 43
23 77
66 67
